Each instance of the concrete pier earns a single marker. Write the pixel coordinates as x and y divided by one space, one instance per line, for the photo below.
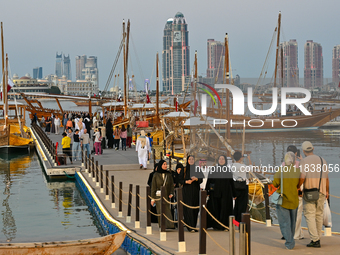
123 165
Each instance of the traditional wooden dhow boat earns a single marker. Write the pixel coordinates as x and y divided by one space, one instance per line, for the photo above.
14 136
105 245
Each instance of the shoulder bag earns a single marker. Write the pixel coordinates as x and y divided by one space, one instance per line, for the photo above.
158 192
276 198
312 195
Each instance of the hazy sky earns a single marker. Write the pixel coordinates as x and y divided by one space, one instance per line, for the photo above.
35 30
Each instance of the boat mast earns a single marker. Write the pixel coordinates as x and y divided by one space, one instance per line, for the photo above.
4 93
3 64
124 72
157 88
126 65
195 82
277 46
227 81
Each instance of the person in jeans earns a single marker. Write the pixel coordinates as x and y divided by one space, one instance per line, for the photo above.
129 136
287 211
123 136
76 151
97 141
116 134
314 169
85 142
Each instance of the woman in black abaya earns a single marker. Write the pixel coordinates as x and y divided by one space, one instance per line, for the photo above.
154 219
220 188
191 191
109 133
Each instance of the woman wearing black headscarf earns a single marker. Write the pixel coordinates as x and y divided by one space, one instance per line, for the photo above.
109 133
178 176
191 189
162 177
154 218
220 188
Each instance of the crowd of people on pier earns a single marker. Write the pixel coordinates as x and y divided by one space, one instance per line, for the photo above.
302 191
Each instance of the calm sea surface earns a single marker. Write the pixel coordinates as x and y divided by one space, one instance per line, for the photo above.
33 209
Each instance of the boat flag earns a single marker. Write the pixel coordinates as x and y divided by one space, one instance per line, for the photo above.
177 104
10 84
146 87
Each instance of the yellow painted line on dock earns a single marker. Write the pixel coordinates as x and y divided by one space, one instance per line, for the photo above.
38 145
101 207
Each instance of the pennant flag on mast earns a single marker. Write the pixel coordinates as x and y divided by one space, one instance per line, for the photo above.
10 84
146 87
177 104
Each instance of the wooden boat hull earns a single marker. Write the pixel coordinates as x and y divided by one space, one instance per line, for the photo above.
13 142
103 245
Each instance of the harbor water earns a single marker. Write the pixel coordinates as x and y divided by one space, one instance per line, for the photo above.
34 209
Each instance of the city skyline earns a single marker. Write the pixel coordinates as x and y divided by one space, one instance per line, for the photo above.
250 27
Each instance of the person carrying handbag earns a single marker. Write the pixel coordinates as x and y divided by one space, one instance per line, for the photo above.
287 182
314 177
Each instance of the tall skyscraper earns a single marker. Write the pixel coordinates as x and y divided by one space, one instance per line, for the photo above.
37 73
313 73
216 51
80 65
59 65
176 55
67 67
336 65
290 64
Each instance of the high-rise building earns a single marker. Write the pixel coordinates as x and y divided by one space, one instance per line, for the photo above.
290 64
59 65
37 73
313 73
67 67
216 51
336 65
176 55
80 65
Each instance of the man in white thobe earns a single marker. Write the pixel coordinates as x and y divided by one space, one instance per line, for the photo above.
143 148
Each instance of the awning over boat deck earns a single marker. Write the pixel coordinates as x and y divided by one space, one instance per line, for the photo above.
83 98
176 115
10 103
113 103
196 121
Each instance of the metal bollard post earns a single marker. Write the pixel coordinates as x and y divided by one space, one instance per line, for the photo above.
101 179
86 166
154 158
266 203
203 223
181 241
90 166
162 218
107 197
246 220
113 204
170 163
128 217
82 156
231 235
120 213
137 222
97 174
148 209
93 171
242 239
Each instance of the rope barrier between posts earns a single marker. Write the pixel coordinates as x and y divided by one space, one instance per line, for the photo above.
212 216
191 207
215 241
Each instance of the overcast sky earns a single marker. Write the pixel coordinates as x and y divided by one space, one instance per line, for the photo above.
35 30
